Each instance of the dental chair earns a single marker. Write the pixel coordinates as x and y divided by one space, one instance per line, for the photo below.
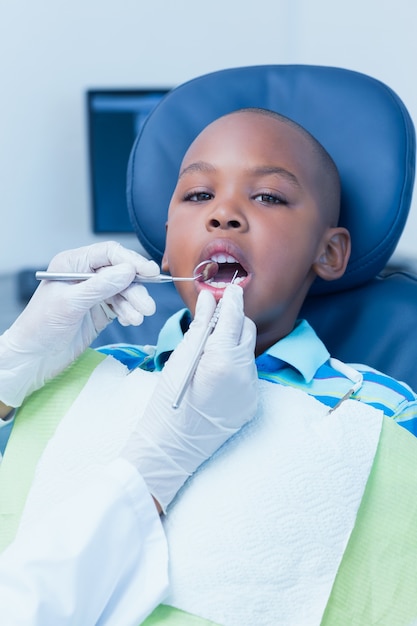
370 314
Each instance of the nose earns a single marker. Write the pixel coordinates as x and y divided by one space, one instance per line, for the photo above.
225 216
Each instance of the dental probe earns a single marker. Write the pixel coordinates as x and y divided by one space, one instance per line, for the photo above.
193 365
203 272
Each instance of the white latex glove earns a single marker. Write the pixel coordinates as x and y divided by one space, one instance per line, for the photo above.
169 444
63 318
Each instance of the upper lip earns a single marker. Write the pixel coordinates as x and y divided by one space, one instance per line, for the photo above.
225 251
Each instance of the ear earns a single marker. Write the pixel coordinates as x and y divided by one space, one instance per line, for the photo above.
334 255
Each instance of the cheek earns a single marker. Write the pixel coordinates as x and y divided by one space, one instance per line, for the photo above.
263 294
176 245
288 252
180 221
282 278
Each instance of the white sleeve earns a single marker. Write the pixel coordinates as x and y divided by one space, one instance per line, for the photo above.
100 557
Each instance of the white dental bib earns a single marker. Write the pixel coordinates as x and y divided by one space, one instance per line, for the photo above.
257 534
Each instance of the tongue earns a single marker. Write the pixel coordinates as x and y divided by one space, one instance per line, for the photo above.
226 272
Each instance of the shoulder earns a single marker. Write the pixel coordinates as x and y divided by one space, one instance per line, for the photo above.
371 376
394 397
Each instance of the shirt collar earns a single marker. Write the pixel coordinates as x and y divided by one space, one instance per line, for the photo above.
301 349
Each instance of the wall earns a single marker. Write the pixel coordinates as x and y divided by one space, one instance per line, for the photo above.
51 52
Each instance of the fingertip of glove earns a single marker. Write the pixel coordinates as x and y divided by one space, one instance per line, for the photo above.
150 268
148 305
234 292
132 320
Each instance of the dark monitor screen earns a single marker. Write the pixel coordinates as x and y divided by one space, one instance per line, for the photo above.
115 117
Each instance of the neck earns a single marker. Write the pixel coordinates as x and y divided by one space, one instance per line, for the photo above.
267 338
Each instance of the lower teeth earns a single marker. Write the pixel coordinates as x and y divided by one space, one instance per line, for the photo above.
222 285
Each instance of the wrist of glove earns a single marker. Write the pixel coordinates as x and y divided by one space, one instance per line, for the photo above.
62 319
169 444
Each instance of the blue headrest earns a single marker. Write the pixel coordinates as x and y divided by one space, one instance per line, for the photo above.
361 122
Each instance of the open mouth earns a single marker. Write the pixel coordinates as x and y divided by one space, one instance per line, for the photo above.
229 270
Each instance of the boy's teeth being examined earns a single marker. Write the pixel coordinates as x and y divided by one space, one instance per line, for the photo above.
228 269
221 285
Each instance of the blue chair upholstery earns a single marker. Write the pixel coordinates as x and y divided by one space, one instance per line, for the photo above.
366 128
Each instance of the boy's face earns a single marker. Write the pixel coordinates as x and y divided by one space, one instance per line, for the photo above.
249 197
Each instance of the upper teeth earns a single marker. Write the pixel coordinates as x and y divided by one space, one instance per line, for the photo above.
223 258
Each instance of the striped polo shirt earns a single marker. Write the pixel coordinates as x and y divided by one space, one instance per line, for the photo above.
299 360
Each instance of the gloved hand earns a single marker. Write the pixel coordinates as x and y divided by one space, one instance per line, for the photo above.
63 318
169 444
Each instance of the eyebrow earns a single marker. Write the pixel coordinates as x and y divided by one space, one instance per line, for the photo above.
267 170
279 171
198 166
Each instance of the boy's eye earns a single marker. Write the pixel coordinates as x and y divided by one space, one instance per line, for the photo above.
198 196
269 198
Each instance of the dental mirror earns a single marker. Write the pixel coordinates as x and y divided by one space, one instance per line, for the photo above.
202 272
205 270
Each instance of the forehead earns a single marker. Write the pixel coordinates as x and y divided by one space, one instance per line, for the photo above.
251 134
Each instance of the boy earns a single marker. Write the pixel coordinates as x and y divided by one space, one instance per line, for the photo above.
285 524
266 202
258 195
